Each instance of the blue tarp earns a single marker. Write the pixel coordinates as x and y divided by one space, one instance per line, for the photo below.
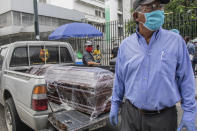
75 30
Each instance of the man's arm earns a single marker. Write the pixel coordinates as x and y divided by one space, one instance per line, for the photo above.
92 63
94 53
118 93
186 83
89 60
118 89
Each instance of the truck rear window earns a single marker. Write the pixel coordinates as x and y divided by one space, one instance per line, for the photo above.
50 54
19 57
65 55
39 55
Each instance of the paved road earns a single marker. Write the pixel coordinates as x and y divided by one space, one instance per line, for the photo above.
107 128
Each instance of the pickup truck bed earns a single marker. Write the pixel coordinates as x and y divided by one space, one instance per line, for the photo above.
73 120
76 121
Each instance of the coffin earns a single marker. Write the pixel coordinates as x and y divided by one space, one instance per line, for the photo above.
86 89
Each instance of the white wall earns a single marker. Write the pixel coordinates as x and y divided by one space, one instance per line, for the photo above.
94 2
5 6
126 9
46 10
85 6
89 11
113 10
62 3
26 6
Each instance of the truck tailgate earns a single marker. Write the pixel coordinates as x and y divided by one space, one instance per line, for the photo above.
76 121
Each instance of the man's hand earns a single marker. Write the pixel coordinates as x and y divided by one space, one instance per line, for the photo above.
91 63
113 116
190 125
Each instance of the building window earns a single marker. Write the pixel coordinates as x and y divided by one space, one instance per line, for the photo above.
120 18
98 13
43 1
62 22
120 5
42 20
16 18
120 31
27 19
55 22
103 14
5 19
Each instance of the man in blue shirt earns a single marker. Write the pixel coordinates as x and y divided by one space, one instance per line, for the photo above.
153 73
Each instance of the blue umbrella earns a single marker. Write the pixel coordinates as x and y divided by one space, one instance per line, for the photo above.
75 30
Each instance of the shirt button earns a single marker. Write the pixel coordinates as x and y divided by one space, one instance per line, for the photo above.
144 78
148 52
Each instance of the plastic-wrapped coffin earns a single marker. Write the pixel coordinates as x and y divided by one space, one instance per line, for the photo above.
87 89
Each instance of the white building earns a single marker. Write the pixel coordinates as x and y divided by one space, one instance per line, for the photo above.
94 10
119 9
16 17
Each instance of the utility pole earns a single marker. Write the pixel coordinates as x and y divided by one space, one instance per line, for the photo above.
36 23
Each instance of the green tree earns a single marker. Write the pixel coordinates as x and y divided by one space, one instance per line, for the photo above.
181 6
179 14
182 15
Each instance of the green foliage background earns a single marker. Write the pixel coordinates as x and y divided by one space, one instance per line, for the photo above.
179 14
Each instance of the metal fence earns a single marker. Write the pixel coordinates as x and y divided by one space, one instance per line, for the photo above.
115 32
113 37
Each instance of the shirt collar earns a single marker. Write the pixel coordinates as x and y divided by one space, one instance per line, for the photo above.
156 34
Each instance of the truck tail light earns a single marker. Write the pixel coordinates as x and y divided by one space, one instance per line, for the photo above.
39 99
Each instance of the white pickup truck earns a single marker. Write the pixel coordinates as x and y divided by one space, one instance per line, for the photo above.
23 95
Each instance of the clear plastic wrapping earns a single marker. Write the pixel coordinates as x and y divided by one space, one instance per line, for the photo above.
86 89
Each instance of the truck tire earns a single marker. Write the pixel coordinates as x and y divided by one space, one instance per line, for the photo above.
13 121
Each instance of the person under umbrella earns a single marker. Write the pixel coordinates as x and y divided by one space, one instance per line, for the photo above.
88 58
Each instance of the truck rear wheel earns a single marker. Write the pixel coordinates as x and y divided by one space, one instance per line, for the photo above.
13 121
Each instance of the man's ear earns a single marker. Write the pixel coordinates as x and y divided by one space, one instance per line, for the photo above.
139 17
135 16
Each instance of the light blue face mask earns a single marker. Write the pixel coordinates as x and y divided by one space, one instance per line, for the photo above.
154 20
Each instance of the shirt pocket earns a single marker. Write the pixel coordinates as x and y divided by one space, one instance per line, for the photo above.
168 63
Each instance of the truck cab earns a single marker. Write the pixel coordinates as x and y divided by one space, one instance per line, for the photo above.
22 94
